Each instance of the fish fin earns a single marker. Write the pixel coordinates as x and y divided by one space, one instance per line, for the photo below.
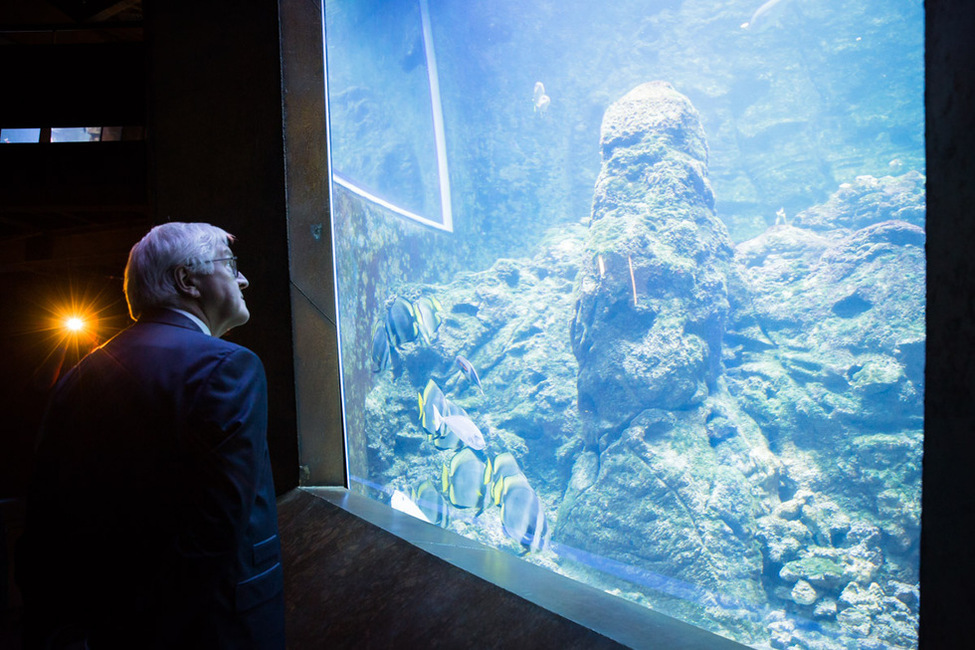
437 418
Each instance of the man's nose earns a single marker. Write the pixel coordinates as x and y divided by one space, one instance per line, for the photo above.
242 281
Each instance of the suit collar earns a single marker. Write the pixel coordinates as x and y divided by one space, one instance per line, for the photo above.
199 323
169 317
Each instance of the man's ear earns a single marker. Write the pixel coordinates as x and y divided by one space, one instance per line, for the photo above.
186 282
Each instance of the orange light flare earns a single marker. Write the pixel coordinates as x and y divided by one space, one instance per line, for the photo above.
74 323
70 325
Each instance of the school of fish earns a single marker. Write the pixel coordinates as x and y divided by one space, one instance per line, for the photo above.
470 479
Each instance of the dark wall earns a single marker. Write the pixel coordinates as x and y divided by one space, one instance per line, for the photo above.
216 155
948 501
68 214
73 85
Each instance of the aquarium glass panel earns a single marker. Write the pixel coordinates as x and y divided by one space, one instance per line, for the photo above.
673 346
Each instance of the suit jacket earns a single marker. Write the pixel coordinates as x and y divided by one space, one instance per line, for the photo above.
151 518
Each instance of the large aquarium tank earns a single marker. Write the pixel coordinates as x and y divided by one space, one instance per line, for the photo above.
634 291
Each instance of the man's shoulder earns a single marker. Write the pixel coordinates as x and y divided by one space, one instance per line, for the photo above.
171 344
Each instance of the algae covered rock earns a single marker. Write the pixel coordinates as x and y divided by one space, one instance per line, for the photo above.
675 463
651 294
661 483
735 431
869 200
509 322
804 593
824 349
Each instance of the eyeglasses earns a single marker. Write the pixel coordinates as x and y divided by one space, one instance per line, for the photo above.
231 263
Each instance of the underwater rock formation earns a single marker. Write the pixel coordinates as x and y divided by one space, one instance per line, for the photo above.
825 351
509 322
791 472
649 345
869 200
756 410
651 298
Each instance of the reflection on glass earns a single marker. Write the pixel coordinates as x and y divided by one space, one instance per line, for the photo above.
674 347
384 114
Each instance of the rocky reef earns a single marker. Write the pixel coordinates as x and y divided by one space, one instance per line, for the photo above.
651 301
739 425
651 310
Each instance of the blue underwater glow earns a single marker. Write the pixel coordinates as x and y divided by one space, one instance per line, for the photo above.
679 301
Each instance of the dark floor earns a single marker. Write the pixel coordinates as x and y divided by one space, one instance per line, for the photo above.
11 524
349 583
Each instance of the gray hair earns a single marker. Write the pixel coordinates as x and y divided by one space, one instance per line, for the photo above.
149 280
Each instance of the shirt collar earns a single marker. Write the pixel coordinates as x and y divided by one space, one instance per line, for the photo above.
203 326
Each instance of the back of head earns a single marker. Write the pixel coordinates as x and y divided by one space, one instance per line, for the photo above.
149 280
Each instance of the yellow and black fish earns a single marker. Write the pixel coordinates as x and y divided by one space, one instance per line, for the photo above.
432 504
401 322
503 466
465 478
522 514
429 315
430 402
431 397
380 348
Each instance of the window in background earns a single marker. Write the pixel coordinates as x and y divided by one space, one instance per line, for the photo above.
20 135
76 134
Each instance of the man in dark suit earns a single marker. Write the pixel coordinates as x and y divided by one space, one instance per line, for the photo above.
151 518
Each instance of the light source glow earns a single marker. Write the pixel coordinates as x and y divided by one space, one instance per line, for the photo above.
74 324
67 321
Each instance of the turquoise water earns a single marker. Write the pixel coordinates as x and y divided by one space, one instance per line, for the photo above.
664 338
